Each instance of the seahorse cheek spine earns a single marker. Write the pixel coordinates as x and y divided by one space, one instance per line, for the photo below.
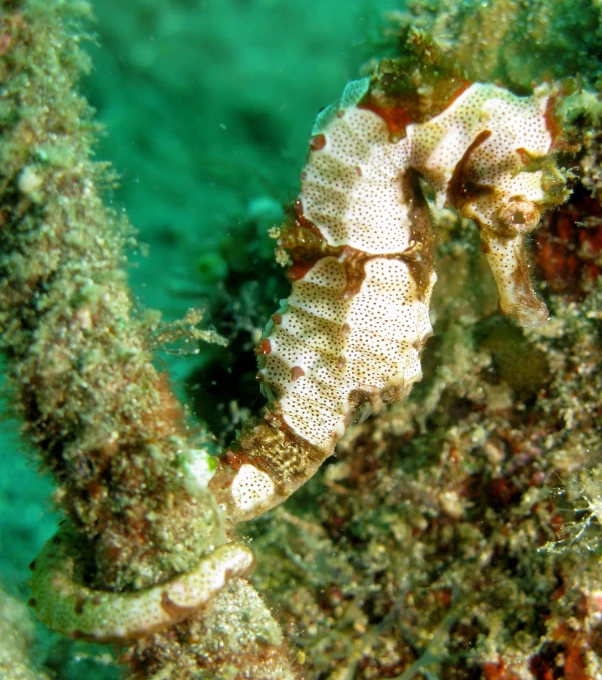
354 326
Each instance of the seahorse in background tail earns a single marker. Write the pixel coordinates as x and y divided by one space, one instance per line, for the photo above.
361 247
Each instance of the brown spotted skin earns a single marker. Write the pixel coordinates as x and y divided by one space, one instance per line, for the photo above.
361 245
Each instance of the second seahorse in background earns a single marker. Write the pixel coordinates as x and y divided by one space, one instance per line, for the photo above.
361 250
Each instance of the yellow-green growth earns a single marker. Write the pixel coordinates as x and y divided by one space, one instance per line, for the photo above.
512 42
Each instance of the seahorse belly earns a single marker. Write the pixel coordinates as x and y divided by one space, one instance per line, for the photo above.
350 187
332 351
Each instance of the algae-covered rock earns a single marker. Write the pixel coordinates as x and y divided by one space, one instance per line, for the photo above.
514 42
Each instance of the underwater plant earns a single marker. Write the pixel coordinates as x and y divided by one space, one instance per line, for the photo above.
446 500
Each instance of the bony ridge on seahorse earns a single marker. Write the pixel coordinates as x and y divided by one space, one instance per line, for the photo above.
352 330
361 247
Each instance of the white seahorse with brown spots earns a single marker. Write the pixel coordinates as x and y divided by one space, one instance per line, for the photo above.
352 331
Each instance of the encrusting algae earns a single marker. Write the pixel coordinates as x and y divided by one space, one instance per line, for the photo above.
454 536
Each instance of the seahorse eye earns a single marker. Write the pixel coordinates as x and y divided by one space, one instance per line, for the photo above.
518 217
521 215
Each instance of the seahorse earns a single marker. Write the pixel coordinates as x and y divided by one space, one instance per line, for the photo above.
360 241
